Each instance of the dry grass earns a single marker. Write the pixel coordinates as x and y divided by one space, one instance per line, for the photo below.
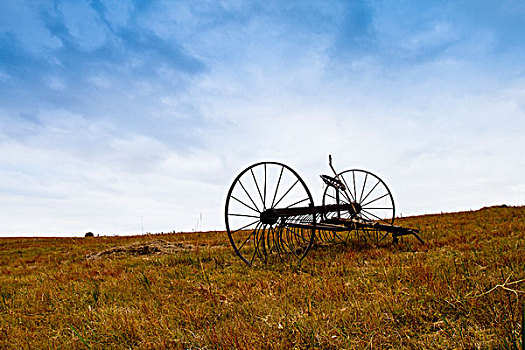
465 289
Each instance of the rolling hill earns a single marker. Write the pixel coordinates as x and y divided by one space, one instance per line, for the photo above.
464 289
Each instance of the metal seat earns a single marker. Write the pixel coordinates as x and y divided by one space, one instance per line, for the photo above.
332 181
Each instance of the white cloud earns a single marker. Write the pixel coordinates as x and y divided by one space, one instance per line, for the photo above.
97 181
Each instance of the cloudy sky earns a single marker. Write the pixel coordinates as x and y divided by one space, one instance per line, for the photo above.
123 117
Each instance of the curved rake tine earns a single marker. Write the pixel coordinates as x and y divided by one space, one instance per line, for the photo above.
289 248
256 250
263 244
274 245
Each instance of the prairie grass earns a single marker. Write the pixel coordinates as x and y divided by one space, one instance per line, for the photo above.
464 289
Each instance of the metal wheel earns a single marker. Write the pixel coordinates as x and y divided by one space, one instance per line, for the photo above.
373 202
253 232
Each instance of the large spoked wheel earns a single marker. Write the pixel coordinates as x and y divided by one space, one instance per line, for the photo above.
372 202
254 231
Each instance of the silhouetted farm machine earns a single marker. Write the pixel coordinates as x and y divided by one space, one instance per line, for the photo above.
270 212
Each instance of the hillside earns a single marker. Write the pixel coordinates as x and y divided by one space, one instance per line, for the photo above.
464 289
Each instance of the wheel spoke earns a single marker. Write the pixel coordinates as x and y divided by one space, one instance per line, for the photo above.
254 241
355 192
284 195
245 215
255 205
347 188
341 200
383 196
247 238
368 194
350 192
343 196
264 198
302 200
366 216
242 228
377 217
246 205
363 189
258 190
277 187
329 195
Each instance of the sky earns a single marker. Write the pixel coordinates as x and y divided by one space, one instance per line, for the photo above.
126 117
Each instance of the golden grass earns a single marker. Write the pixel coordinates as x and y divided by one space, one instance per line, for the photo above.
464 289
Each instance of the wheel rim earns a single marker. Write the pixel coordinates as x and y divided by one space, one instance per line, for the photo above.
254 237
374 199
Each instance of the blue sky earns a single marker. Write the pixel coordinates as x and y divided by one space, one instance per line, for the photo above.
115 114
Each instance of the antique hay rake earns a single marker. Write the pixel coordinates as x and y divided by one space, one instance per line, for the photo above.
270 212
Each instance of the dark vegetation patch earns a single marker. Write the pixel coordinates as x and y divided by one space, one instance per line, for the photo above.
156 247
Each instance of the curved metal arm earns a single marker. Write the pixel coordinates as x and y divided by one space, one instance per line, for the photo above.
338 188
331 166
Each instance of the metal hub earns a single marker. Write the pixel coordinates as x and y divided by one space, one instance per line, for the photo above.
269 217
357 207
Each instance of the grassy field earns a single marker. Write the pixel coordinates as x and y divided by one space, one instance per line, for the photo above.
464 289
